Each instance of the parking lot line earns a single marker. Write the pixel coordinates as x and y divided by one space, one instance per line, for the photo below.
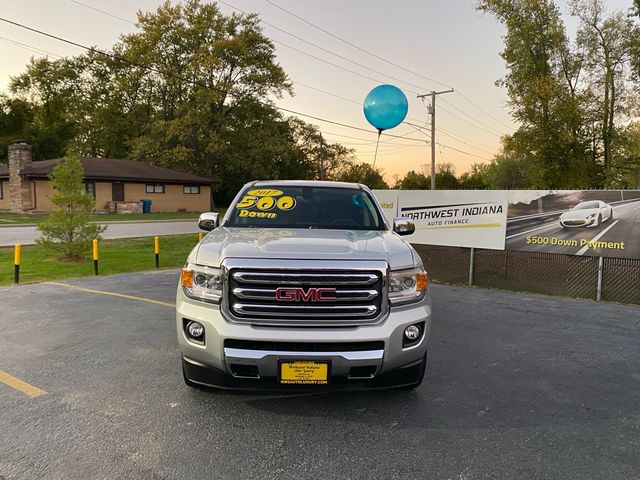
19 385
113 294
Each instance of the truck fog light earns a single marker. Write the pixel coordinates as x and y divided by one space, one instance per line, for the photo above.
412 333
195 330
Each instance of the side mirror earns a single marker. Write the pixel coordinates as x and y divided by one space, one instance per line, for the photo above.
403 226
209 221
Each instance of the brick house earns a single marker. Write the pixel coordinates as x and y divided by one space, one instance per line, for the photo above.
117 185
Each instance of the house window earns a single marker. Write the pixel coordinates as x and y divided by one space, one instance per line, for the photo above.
191 189
154 188
90 188
1 193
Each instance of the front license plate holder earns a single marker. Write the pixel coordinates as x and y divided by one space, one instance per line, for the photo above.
304 372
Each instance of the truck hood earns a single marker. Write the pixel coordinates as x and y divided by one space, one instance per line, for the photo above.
297 244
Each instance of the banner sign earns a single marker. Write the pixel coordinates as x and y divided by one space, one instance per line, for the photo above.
388 200
603 223
576 222
462 218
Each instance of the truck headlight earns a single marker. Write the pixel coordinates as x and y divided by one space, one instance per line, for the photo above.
407 286
202 283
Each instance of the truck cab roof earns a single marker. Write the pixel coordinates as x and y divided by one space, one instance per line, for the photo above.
305 183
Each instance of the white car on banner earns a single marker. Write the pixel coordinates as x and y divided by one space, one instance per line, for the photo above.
587 214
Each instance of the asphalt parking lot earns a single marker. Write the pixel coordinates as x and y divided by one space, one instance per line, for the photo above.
518 386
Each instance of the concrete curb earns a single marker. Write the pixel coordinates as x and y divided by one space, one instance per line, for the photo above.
173 220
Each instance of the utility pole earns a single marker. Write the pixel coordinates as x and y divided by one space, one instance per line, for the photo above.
321 158
432 112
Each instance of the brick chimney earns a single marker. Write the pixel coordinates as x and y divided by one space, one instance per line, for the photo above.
19 153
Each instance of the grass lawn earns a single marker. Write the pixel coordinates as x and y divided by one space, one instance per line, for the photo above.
9 218
116 256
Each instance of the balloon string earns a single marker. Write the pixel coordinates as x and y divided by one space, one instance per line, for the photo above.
377 143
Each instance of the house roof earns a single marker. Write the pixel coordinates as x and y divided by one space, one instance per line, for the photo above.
113 169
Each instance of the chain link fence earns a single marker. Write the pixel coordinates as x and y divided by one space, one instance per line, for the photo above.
445 264
621 280
545 273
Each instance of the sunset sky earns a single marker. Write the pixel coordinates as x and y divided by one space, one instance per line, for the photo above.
433 44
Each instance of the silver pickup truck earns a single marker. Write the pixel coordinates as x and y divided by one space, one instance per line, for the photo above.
303 285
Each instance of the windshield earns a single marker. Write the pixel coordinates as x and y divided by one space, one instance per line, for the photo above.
306 207
586 206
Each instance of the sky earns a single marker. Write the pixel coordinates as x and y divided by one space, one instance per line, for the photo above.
417 45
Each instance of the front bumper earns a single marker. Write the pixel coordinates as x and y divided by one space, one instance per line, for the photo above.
576 223
362 357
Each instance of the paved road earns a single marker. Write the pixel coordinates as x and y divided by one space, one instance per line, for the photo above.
28 235
518 387
624 227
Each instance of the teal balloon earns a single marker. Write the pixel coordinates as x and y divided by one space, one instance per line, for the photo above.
385 107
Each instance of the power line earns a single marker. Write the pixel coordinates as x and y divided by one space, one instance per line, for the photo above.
104 12
460 139
376 56
386 61
468 122
193 82
390 150
463 152
483 110
29 47
327 62
470 117
160 72
418 128
320 48
326 93
354 45
463 139
318 59
366 141
466 143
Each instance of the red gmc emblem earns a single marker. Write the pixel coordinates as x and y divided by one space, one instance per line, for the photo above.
296 294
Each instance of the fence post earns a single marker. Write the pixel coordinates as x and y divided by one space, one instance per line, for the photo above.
16 263
156 245
471 262
95 256
600 271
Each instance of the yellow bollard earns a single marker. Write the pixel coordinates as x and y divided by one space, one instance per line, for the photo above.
95 257
156 244
16 263
200 236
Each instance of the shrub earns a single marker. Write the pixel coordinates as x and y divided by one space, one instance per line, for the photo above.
68 228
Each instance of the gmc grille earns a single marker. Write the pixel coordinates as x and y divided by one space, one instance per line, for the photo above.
357 298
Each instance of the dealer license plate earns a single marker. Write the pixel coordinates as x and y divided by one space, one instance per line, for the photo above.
304 373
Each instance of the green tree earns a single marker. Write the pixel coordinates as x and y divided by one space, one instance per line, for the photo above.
607 41
475 178
211 65
508 172
626 157
48 87
542 85
363 173
325 159
67 229
446 177
190 90
15 116
414 181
